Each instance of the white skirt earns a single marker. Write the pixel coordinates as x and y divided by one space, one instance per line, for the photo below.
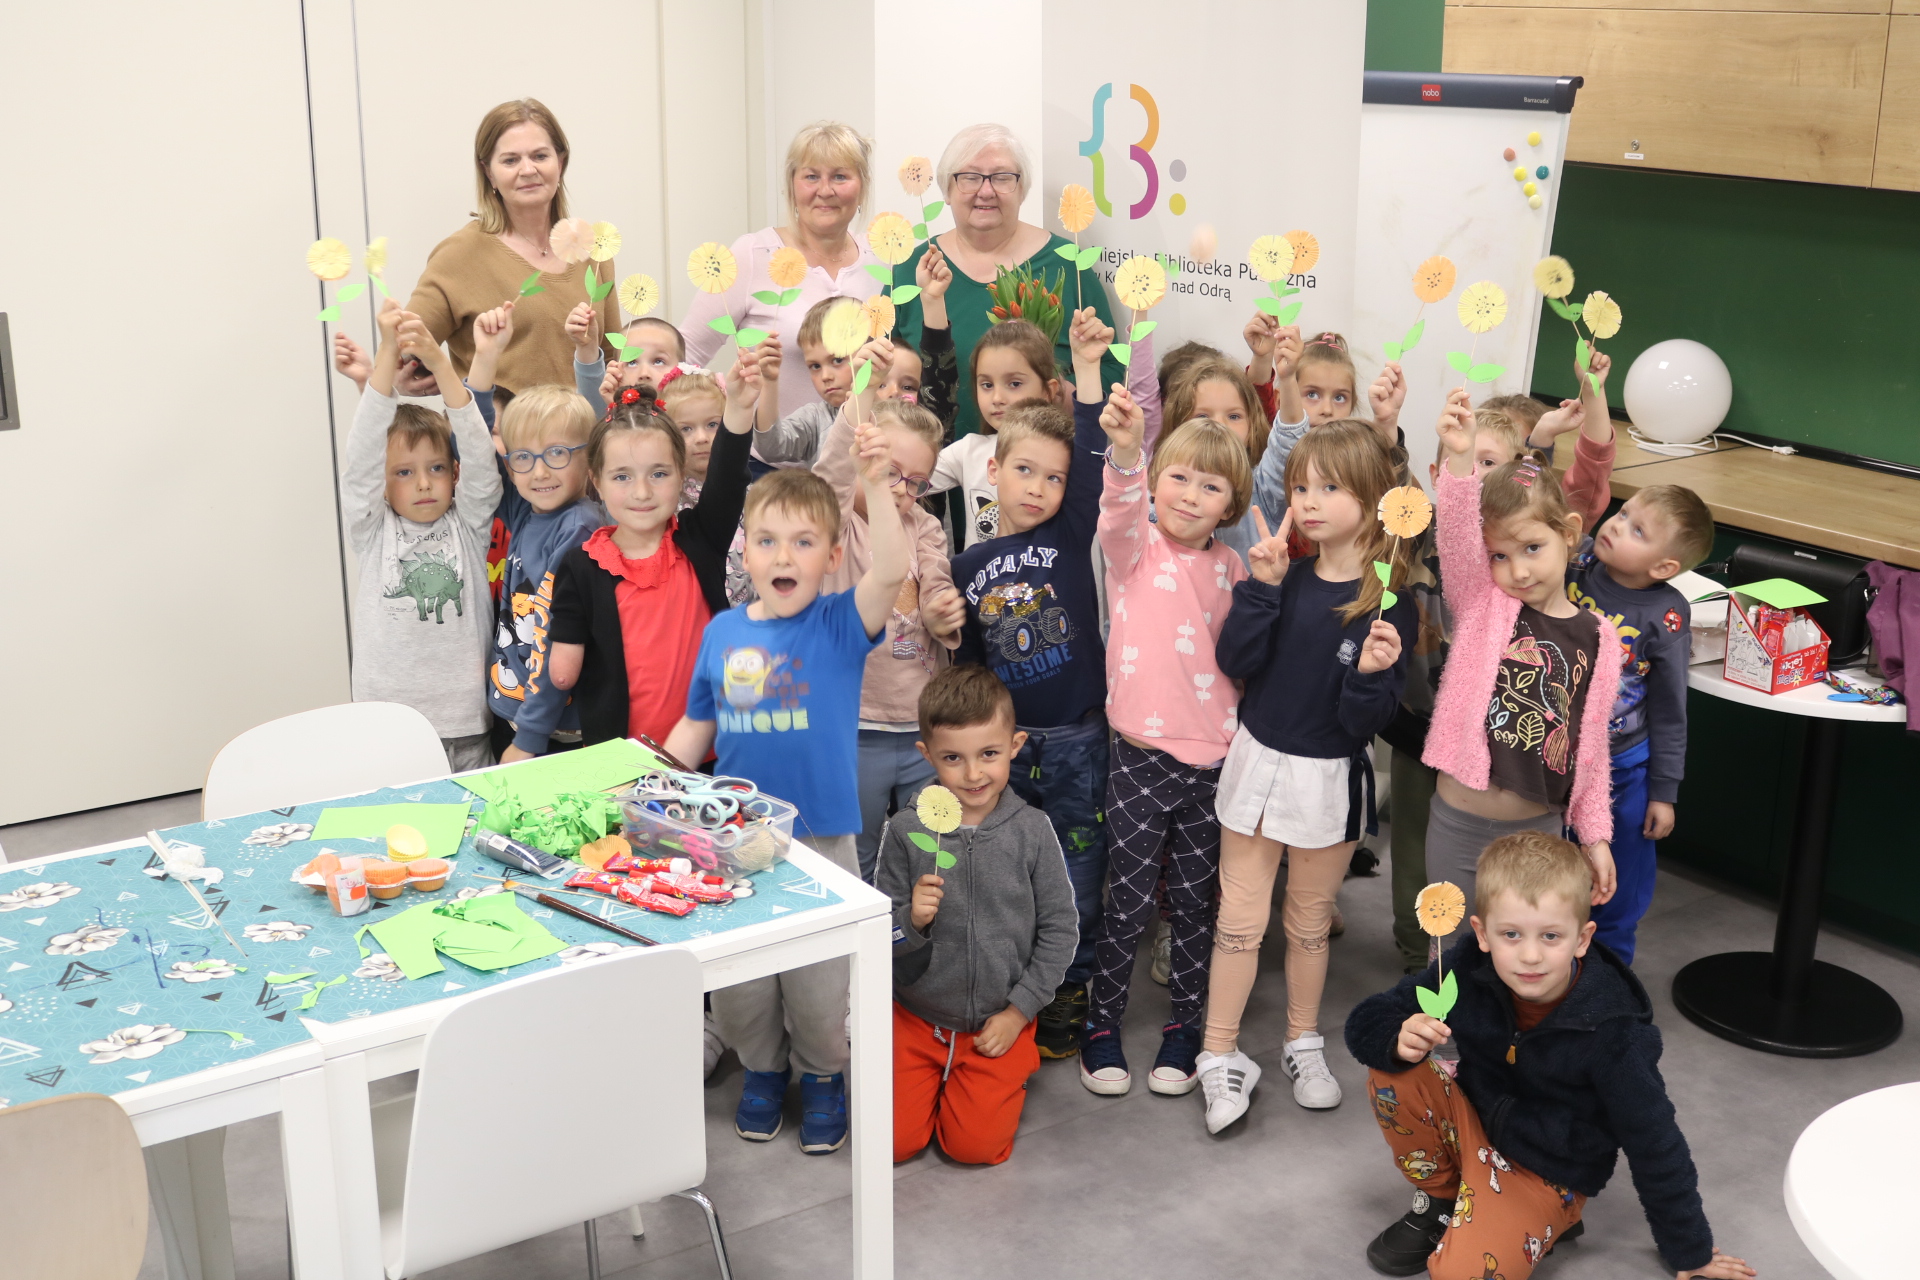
1296 800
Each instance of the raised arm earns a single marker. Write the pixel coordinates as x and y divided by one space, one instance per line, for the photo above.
1466 576
879 587
1587 479
1143 384
1080 507
1123 498
716 515
363 478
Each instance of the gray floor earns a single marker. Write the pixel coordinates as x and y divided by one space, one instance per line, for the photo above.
1134 1186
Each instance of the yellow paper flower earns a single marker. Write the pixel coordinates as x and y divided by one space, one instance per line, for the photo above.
1271 257
377 256
1483 306
711 268
606 241
787 267
639 294
1433 279
1306 250
1553 277
1076 208
939 810
1602 315
1140 282
890 236
1440 908
916 174
329 259
572 239
1405 512
845 328
879 309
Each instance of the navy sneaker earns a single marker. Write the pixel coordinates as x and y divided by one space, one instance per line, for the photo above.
1175 1070
763 1097
823 1113
1103 1067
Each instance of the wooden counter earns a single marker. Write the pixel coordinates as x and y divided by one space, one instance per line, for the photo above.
1851 510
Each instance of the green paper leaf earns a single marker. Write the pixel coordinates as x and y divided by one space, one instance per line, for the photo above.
880 271
923 841
1121 352
723 324
767 296
1383 571
1388 600
1781 593
790 297
1561 309
1458 359
1575 310
919 231
1268 305
1582 353
529 286
932 211
1168 263
1485 372
1412 339
348 292
863 377
1088 256
751 337
1289 313
1070 252
1438 1004
618 343
275 979
904 294
1142 329
1593 380
214 1031
380 283
1281 289
313 996
331 313
943 860
1393 351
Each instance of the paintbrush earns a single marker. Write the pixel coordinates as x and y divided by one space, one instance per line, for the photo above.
546 900
160 848
511 883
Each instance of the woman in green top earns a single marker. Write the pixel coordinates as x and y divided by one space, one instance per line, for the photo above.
983 176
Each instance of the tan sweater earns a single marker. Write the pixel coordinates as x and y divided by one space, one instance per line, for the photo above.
470 272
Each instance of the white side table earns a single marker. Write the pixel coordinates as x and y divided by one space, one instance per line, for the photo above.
1848 1184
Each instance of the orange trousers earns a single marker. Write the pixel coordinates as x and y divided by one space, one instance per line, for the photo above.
943 1088
1504 1218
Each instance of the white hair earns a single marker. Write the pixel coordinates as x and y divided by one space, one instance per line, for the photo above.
974 139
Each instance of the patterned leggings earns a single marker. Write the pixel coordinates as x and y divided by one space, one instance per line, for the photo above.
1148 793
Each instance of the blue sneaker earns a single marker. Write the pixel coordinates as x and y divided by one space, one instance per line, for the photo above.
823 1113
1175 1071
1103 1067
762 1098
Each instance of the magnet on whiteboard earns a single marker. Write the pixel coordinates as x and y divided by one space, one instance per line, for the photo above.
1542 172
1534 202
1530 189
1507 155
1533 139
1519 173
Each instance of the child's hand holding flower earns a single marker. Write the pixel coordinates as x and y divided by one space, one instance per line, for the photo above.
1420 1035
417 341
1125 423
388 321
1599 363
1089 337
873 456
1381 649
493 330
768 356
1267 558
1455 427
1387 394
933 275
743 384
926 901
583 327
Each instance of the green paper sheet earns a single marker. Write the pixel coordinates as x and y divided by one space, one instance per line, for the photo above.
1781 593
442 824
535 783
482 933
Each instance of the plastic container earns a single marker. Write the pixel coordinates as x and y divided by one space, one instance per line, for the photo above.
385 880
346 884
753 847
428 874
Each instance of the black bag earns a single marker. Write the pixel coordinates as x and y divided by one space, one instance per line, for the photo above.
1841 579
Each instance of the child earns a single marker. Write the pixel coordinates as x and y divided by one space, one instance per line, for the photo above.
629 606
978 950
1558 1065
1323 665
695 401
1170 582
1520 721
776 691
657 344
1012 364
794 440
1213 387
1033 618
423 551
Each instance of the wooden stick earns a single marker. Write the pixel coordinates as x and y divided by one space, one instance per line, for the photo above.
159 847
547 900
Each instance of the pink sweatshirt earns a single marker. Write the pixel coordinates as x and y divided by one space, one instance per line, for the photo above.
1168 604
1483 620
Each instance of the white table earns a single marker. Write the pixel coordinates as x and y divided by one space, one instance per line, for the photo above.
1848 1184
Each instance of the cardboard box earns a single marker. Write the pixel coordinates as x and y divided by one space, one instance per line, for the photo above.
1757 652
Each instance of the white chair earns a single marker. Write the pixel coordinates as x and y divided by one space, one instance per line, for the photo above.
318 754
574 1094
73 1190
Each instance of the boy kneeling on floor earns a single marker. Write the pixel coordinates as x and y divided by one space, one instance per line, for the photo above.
984 926
1557 1073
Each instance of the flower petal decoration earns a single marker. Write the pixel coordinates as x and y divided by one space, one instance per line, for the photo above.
1433 279
916 175
1483 306
376 258
1405 512
1440 907
142 1041
711 268
329 259
938 809
639 293
88 937
43 894
572 239
844 329
1306 250
1602 314
879 311
890 236
1076 208
1553 276
787 267
1140 282
1271 257
606 241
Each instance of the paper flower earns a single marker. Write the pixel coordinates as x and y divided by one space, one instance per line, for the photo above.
844 329
1076 208
1205 243
377 256
1483 306
916 175
639 293
1306 249
1433 279
711 268
88 937
939 810
880 312
606 241
276 931
329 259
1140 282
1271 257
890 236
44 894
142 1041
787 267
1405 512
1440 907
1553 276
380 966
200 970
1602 315
572 239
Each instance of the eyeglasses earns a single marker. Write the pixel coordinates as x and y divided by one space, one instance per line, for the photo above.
967 183
557 457
917 486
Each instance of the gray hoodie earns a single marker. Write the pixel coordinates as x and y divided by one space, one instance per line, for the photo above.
1006 928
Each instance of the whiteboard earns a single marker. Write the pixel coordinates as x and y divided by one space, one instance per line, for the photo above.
1434 180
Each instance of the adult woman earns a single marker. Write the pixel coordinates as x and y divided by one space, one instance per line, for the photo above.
984 174
520 166
827 179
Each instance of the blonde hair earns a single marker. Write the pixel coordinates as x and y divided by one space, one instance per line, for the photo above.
1329 348
912 418
1525 490
970 142
1200 369
1532 864
486 140
1525 411
1034 418
829 144
1349 452
1691 519
1489 420
700 382
1176 361
798 493
642 415
1206 445
415 424
535 410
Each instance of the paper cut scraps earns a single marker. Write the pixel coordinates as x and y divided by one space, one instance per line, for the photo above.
939 812
1482 306
1440 907
613 763
1140 283
485 933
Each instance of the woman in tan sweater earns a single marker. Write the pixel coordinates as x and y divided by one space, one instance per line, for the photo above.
520 160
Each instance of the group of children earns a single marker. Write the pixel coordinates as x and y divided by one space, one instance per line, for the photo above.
1150 663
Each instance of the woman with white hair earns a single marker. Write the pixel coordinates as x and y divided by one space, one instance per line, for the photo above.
827 181
984 174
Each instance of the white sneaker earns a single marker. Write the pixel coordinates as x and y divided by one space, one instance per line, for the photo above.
1161 970
1313 1085
715 1046
1226 1081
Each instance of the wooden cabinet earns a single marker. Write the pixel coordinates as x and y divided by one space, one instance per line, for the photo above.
1896 161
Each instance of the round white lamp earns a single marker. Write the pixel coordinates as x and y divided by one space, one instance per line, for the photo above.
1678 392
